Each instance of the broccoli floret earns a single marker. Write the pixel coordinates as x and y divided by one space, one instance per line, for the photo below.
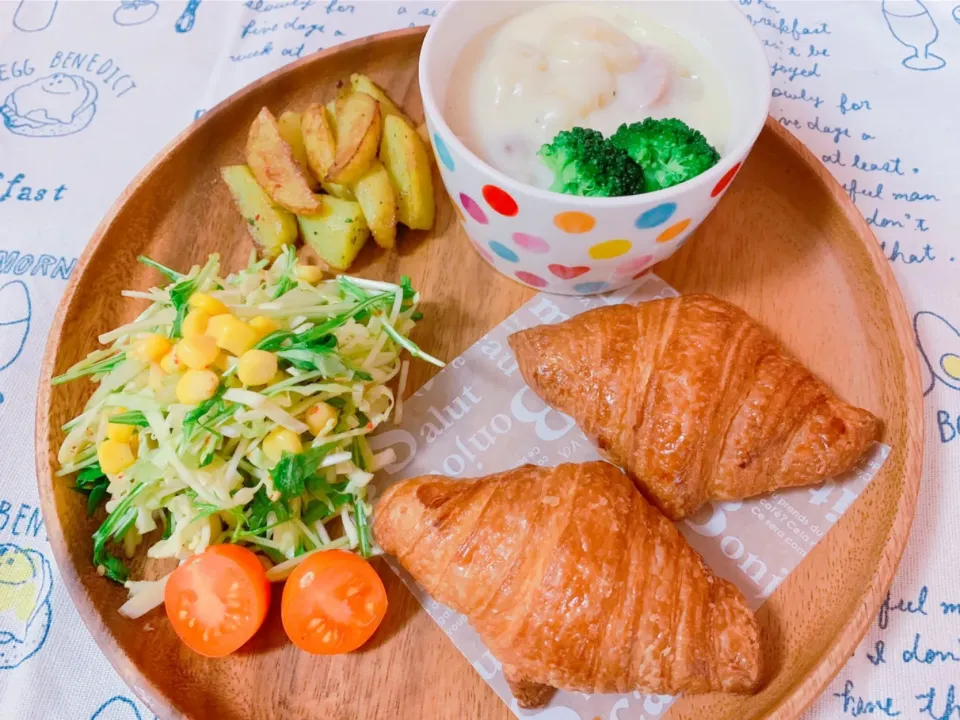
669 151
584 163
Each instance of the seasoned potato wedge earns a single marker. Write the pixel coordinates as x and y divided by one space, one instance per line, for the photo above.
362 83
343 92
408 164
270 226
289 123
358 138
276 169
320 139
337 232
379 204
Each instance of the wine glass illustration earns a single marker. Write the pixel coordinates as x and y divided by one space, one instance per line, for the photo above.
912 26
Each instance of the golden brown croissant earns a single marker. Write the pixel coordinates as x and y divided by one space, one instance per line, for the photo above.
573 581
694 399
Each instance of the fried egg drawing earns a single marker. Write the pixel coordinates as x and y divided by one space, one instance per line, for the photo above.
51 106
117 708
25 580
15 311
939 344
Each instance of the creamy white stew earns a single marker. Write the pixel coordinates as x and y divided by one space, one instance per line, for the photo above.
563 65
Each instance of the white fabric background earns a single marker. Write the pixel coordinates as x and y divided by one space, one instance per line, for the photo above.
888 131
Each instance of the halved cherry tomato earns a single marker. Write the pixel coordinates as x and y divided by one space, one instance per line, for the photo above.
332 603
217 600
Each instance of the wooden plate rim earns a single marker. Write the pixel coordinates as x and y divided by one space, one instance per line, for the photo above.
792 704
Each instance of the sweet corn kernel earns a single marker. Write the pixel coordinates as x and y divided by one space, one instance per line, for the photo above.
151 347
197 352
196 386
219 323
309 274
134 444
208 303
256 367
170 364
120 433
222 363
232 334
195 323
155 376
280 440
321 418
263 326
114 456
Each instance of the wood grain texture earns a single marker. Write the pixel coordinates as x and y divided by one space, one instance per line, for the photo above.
785 244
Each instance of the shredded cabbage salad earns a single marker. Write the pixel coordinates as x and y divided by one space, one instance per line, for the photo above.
207 472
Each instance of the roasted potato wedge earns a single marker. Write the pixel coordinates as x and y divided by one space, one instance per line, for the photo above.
408 164
343 92
379 204
362 83
320 139
276 169
290 123
270 226
359 127
337 232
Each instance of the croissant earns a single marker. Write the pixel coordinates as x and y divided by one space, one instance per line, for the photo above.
573 581
694 399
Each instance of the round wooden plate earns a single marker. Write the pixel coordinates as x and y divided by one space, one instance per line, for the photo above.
785 243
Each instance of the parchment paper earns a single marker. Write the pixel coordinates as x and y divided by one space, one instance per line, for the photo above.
477 417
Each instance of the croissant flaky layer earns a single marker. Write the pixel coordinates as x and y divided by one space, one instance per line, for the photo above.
694 399
573 581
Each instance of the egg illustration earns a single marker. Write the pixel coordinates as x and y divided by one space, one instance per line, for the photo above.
15 312
118 708
25 582
51 106
939 344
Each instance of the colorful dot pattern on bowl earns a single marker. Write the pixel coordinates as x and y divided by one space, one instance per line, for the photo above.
500 200
443 153
574 222
610 249
504 252
473 209
590 287
656 216
725 180
531 279
531 242
568 273
671 232
634 265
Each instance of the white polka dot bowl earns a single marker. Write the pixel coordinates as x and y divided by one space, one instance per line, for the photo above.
577 245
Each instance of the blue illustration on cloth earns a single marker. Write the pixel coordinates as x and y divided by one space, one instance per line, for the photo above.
912 25
26 581
188 17
15 312
51 106
939 344
34 15
118 708
135 12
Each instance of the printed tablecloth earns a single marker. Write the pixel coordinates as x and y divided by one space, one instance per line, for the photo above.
90 91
